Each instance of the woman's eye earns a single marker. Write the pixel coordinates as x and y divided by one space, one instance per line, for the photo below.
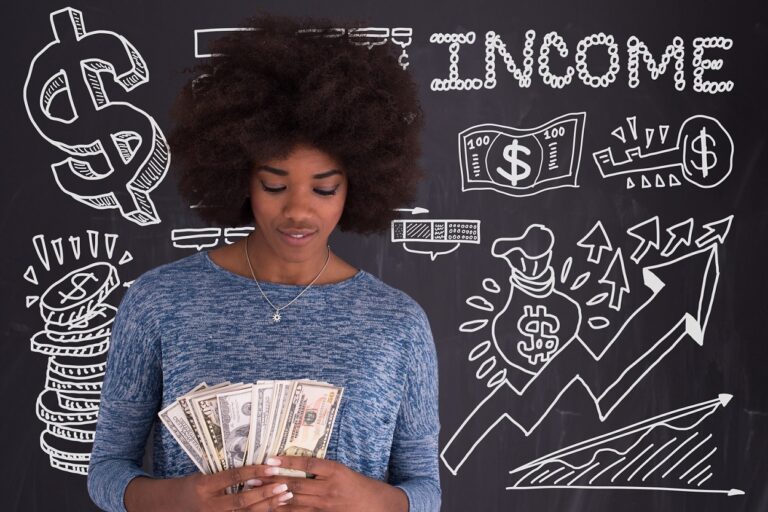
326 191
272 189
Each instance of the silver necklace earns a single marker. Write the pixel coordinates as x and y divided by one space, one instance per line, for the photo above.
276 315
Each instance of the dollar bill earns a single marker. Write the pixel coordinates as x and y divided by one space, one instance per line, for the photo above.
229 425
308 422
235 420
261 402
176 422
205 411
281 394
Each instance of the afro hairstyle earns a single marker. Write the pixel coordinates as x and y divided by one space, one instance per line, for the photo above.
286 81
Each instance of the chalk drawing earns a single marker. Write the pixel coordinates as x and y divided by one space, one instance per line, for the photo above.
117 152
666 310
522 162
626 458
703 154
433 237
76 336
363 36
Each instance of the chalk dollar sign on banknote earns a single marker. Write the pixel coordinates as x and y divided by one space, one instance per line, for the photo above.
522 161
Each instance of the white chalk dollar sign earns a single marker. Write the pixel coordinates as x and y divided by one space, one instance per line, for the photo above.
511 156
117 153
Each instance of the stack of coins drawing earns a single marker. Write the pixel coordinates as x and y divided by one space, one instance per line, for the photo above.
78 325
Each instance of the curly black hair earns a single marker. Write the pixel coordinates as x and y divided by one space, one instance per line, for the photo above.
286 81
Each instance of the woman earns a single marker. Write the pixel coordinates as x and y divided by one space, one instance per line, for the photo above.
293 128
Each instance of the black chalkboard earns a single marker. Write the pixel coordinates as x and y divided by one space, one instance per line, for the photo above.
588 243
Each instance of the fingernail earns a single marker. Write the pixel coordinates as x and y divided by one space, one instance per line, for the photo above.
271 471
285 497
253 482
272 461
280 488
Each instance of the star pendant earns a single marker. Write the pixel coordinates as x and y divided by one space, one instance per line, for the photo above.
276 317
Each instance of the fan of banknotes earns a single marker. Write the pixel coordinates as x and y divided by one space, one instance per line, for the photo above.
229 425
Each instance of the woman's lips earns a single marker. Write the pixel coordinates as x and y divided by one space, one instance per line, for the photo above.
297 238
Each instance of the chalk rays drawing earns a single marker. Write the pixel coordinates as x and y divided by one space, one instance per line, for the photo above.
77 321
117 152
628 458
606 372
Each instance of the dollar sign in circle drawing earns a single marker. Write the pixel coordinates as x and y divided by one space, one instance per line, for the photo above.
700 146
117 153
540 328
518 169
78 287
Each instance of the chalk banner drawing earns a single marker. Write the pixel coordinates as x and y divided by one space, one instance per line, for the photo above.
117 153
702 155
552 325
431 236
522 162
363 36
206 238
77 319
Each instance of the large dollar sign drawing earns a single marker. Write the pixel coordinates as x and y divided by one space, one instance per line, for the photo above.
540 327
510 155
699 146
118 154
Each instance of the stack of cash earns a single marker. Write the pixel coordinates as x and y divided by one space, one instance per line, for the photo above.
229 425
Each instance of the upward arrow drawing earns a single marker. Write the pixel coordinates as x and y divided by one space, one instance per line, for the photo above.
596 241
616 277
648 234
680 233
716 231
670 314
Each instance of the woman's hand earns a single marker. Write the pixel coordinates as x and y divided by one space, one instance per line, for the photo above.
207 493
335 488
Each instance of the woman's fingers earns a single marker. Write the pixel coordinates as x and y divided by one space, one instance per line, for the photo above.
264 498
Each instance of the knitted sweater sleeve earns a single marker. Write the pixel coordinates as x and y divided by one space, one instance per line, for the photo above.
413 465
130 398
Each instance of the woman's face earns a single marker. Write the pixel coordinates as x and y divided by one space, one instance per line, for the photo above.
297 202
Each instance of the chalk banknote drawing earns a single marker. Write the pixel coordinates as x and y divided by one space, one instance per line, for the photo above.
702 155
521 162
117 152
547 325
77 308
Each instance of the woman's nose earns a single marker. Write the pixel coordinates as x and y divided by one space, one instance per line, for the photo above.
297 206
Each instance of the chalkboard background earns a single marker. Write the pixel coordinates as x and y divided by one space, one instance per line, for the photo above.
652 329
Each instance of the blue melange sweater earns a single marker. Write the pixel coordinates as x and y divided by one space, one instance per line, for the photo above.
192 321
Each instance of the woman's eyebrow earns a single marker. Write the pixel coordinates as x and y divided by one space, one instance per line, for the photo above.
282 172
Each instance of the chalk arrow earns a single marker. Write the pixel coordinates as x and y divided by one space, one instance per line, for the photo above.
616 277
680 233
413 211
672 312
648 234
596 241
716 231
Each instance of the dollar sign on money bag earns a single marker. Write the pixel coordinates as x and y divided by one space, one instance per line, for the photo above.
117 153
537 319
